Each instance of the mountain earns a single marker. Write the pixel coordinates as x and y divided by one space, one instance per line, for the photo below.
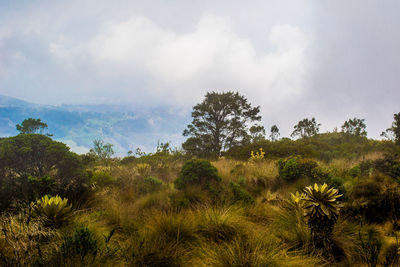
126 127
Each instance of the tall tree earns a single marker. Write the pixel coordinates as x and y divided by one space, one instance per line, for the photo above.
274 133
306 128
257 133
102 151
394 131
30 126
220 122
355 127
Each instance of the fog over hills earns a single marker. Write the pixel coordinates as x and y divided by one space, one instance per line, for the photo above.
126 127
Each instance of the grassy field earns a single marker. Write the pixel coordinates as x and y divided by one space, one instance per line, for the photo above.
136 216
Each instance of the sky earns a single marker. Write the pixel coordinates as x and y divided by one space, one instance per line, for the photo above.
332 60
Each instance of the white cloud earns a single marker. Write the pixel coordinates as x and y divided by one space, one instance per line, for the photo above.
180 68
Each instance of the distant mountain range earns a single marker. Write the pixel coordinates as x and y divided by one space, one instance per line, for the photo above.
126 127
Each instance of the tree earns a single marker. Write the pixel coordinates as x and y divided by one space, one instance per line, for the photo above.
220 122
32 165
102 151
274 133
355 127
257 133
306 128
30 126
393 132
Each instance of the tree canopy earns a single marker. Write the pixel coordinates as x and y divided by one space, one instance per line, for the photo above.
30 126
394 131
306 128
355 127
274 133
220 122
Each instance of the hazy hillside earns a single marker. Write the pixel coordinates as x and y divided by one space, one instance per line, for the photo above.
127 127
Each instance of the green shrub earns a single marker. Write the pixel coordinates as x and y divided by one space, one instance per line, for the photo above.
355 171
79 247
27 161
41 185
240 194
294 167
101 178
54 209
148 185
198 172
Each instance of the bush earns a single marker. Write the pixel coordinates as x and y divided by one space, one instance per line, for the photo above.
240 194
294 167
80 247
101 178
54 209
198 172
27 161
389 165
148 185
374 200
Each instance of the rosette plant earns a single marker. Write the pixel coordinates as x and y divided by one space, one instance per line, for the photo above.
321 209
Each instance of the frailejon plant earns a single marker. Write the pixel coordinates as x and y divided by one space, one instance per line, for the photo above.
321 210
257 156
54 209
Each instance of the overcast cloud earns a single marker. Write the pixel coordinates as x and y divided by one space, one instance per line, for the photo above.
328 59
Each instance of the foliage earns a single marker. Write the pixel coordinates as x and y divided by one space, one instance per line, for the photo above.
394 131
20 239
220 224
148 185
198 172
80 246
220 122
143 169
31 126
375 201
274 133
102 151
392 255
240 194
355 127
54 209
27 161
389 164
101 178
324 147
295 167
321 210
306 128
371 244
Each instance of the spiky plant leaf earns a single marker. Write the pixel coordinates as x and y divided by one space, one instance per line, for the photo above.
54 209
320 201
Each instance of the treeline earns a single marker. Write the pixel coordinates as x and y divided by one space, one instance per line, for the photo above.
227 124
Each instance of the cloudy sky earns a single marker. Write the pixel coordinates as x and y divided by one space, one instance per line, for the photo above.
329 59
